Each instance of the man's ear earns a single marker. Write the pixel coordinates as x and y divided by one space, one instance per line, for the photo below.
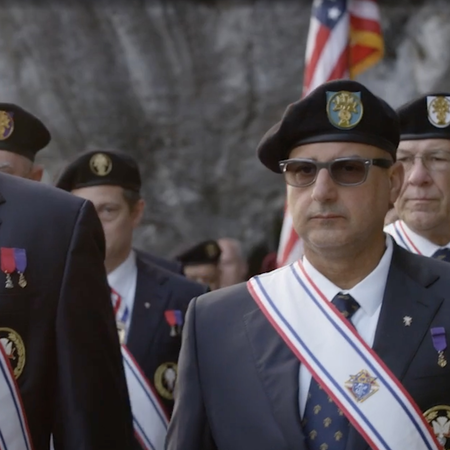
36 172
396 178
138 212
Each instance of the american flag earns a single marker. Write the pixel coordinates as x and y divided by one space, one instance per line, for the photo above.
344 39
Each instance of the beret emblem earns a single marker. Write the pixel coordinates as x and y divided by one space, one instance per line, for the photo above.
439 111
344 109
100 164
6 125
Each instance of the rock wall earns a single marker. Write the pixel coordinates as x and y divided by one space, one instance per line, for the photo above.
189 88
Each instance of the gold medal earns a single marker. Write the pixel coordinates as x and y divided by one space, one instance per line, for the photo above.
14 349
439 419
165 378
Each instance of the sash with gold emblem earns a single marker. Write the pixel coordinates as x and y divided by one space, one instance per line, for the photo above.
150 420
342 363
14 432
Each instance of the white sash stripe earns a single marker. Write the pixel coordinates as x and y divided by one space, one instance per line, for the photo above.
298 318
149 418
14 432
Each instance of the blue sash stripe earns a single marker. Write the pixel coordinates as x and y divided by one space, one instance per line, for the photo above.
157 408
138 425
403 240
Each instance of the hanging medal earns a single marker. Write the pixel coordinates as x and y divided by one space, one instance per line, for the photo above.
440 344
20 256
8 265
174 318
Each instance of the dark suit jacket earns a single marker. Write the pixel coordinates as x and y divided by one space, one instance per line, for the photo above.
149 338
238 381
64 317
168 264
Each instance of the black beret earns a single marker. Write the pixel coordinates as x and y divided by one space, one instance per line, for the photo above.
21 132
337 111
206 252
101 167
427 117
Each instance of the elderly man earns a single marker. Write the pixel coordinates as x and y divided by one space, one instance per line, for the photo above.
423 206
149 301
232 264
313 355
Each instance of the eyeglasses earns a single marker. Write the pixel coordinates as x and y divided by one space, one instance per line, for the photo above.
343 171
433 162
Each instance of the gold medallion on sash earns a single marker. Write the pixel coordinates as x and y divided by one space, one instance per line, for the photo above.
165 378
14 348
439 419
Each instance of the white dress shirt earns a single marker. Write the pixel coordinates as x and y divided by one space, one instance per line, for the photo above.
123 280
368 293
425 247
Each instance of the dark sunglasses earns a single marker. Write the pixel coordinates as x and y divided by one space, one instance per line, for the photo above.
343 171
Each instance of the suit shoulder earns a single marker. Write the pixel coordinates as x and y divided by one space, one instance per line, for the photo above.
178 283
38 196
172 266
234 299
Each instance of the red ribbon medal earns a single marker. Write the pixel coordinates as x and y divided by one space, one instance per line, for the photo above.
8 264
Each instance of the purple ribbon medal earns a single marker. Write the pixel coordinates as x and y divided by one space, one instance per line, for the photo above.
440 344
20 256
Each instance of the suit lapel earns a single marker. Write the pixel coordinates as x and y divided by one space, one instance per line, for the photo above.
406 295
152 295
278 369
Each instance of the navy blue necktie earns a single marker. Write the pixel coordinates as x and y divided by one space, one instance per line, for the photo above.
324 424
443 254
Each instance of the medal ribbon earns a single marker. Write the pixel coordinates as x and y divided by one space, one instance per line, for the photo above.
439 338
20 256
170 317
178 317
8 263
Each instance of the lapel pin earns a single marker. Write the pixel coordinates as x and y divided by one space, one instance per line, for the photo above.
439 339
407 321
147 305
175 319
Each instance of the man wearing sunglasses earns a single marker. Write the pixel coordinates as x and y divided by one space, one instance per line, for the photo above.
345 349
423 206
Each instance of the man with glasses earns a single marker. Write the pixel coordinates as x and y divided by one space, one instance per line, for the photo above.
423 206
345 349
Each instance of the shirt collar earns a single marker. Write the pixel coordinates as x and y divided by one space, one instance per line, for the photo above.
121 277
425 247
368 292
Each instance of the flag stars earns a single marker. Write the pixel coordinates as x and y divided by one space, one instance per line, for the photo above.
334 13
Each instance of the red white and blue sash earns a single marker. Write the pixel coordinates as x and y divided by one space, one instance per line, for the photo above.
14 432
326 343
398 231
149 417
150 420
